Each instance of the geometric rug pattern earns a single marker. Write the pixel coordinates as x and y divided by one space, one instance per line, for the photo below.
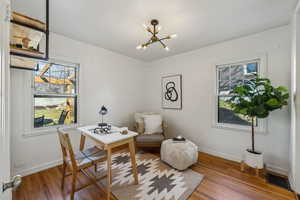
157 180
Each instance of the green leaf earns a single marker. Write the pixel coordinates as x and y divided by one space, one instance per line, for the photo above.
263 115
286 96
273 103
243 111
282 89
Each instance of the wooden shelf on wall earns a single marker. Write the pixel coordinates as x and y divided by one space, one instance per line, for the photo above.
18 62
28 22
15 50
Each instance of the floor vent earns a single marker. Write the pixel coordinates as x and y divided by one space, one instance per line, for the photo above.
279 181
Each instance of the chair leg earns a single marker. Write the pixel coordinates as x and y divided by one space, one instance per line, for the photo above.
96 168
63 175
74 178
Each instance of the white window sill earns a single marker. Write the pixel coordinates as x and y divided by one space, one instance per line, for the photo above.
238 128
48 130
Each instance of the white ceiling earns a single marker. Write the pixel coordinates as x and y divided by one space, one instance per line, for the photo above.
117 24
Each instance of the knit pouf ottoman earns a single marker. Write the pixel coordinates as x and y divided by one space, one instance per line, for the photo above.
179 155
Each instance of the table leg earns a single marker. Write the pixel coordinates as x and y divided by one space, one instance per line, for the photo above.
257 172
242 166
109 175
82 142
133 161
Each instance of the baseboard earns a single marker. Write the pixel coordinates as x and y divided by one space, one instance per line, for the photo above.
227 156
292 181
38 168
220 154
235 158
277 170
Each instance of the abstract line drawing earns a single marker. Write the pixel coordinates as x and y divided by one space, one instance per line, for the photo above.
171 92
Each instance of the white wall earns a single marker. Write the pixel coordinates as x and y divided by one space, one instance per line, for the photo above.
195 120
106 78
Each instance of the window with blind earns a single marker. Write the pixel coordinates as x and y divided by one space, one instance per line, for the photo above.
55 94
228 77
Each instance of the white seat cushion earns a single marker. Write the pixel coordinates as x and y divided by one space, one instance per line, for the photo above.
144 138
89 156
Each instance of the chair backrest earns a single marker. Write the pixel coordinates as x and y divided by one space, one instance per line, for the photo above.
140 127
66 147
63 117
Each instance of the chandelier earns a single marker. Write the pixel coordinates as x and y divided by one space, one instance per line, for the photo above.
154 38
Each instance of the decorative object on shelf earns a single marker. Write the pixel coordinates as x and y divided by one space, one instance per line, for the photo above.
179 138
154 38
103 111
27 37
171 92
256 99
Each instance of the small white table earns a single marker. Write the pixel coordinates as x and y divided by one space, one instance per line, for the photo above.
109 141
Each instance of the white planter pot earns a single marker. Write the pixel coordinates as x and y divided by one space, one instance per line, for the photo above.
254 160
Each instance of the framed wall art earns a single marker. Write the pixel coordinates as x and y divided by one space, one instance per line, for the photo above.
172 92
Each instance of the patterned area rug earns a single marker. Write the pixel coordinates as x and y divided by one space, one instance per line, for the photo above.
157 180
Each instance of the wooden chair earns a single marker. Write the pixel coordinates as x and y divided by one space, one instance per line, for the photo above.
79 162
62 117
149 140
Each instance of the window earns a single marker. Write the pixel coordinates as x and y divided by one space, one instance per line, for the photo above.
55 94
228 77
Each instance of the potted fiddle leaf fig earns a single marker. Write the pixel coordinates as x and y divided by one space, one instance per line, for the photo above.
255 99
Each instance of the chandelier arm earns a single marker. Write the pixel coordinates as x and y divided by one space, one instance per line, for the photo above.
149 42
163 44
165 38
150 31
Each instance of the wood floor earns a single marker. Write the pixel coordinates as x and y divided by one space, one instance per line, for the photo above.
223 181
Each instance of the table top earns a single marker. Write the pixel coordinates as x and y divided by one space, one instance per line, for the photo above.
115 136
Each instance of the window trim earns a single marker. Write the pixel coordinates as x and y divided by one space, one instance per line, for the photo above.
46 130
262 126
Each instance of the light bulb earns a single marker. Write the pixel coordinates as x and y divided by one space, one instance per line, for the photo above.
167 48
139 47
158 28
144 47
173 36
145 26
